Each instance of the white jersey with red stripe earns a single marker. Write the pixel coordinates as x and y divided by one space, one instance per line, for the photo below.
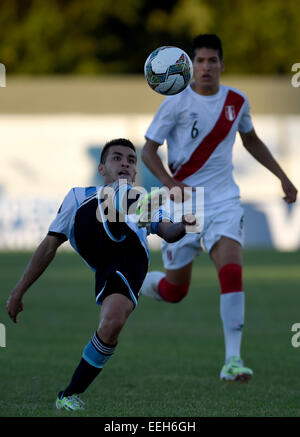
200 132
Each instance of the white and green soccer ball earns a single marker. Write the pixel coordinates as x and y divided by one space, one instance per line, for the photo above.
168 70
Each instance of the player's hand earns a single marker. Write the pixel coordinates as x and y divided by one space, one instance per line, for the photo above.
172 232
191 223
14 306
289 190
180 192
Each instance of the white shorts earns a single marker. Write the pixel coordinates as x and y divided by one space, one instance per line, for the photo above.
226 220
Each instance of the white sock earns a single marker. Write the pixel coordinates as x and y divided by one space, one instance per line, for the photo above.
150 285
232 309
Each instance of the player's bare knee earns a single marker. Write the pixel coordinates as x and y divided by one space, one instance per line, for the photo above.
110 328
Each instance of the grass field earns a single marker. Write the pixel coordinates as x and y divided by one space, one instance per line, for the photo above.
169 355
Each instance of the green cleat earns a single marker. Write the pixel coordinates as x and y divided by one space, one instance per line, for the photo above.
148 204
70 403
234 370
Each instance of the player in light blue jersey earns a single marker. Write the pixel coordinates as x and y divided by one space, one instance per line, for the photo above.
101 224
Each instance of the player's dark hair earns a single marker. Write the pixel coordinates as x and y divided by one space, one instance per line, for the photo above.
116 142
209 41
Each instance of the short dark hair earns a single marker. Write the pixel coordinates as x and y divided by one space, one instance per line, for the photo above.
209 41
115 142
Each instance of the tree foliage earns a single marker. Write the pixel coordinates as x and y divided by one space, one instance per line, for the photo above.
116 36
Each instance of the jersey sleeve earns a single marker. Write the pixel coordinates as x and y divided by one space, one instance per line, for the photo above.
163 121
61 225
245 124
121 196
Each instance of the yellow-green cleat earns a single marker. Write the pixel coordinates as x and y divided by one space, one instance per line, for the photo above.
148 204
70 403
235 370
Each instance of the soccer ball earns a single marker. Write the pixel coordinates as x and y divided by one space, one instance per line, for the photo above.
168 70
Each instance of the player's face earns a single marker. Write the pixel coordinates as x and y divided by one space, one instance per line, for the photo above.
207 69
120 163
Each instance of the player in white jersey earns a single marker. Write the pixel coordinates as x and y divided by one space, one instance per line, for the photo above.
100 225
200 126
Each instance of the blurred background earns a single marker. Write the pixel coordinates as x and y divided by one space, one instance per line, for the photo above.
74 80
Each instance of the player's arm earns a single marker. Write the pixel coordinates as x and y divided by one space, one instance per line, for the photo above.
40 260
262 154
172 232
152 160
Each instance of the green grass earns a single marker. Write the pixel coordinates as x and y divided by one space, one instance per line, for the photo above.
169 355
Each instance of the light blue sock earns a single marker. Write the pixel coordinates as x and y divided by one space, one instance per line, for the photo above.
97 353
